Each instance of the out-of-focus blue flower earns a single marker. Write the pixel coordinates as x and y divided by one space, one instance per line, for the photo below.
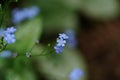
76 74
18 16
61 41
10 30
5 54
58 49
8 35
9 38
32 12
25 13
72 38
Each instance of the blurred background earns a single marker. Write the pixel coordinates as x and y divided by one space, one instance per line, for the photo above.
93 27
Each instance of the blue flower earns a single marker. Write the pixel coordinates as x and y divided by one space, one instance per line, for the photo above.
61 42
32 12
5 54
63 36
18 15
58 49
72 42
76 74
25 13
9 38
10 30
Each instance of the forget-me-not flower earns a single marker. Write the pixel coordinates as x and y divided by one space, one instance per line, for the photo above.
76 74
58 49
32 12
10 30
9 36
18 16
61 41
25 13
63 36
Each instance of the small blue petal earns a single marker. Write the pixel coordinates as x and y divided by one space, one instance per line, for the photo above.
59 49
61 42
10 30
63 36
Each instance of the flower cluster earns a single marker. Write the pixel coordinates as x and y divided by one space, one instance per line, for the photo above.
61 41
76 74
9 36
25 13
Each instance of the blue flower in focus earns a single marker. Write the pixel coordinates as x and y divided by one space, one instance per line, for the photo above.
25 13
72 38
5 54
76 74
63 36
61 41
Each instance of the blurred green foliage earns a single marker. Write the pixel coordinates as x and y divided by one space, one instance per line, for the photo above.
58 67
27 35
55 16
101 9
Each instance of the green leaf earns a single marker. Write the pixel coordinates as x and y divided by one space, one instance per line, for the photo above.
25 75
58 67
26 36
13 0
